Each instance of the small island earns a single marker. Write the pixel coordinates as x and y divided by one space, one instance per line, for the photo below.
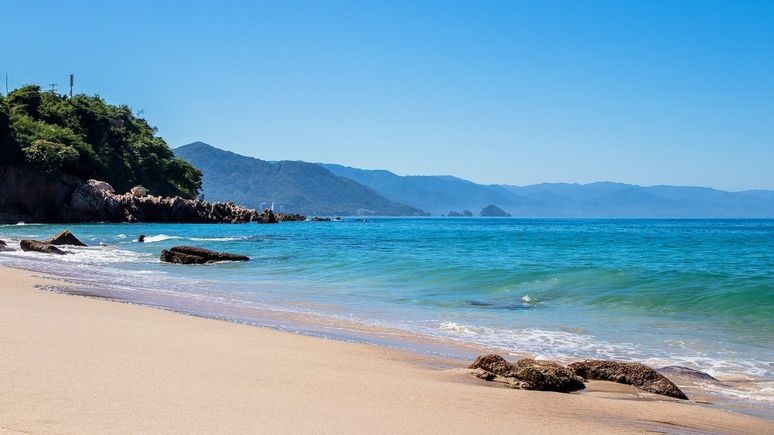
493 211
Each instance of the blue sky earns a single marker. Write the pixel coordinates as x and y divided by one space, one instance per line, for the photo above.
646 92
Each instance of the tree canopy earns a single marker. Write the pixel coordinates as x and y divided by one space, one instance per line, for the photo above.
86 137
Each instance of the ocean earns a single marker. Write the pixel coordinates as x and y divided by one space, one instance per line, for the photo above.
694 293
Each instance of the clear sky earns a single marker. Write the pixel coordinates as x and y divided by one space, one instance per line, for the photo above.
646 92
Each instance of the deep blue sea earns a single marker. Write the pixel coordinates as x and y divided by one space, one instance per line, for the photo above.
696 293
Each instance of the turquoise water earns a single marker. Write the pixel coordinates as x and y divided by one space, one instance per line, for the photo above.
698 293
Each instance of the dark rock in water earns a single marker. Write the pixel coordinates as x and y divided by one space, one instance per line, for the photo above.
141 239
492 363
193 255
467 213
546 376
527 374
36 246
4 246
267 217
65 238
320 219
454 214
635 374
686 372
493 211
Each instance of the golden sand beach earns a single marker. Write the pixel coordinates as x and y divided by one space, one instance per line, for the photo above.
72 364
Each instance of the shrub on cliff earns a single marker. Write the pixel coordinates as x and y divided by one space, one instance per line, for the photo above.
51 156
89 138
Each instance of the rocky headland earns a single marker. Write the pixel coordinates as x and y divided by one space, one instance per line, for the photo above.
29 198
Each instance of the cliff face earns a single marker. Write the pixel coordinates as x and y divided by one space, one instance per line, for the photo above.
30 196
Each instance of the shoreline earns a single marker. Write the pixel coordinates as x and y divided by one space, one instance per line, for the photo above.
92 365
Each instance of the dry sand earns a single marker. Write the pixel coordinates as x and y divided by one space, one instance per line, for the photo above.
81 365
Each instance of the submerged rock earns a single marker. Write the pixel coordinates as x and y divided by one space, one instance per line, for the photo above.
527 374
65 238
686 372
193 255
36 246
635 374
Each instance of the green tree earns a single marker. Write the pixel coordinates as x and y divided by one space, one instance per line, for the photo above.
89 138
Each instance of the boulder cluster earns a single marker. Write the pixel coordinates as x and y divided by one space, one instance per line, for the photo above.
530 374
527 374
49 246
97 201
177 254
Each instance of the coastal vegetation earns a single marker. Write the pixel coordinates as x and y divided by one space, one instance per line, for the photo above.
85 137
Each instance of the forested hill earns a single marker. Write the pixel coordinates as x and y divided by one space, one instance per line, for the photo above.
84 137
297 186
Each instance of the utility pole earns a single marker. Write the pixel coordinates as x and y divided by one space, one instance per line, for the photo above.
72 82
53 87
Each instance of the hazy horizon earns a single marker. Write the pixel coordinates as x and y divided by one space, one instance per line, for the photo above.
644 93
467 179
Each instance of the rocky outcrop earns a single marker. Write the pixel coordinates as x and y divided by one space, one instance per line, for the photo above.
36 246
545 376
139 191
493 211
4 246
194 255
90 203
29 195
101 186
492 363
635 374
527 374
65 238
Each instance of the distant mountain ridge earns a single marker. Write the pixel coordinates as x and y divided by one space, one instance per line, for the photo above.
298 187
331 189
442 194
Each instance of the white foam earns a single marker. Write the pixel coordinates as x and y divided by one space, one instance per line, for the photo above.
565 346
160 238
215 239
